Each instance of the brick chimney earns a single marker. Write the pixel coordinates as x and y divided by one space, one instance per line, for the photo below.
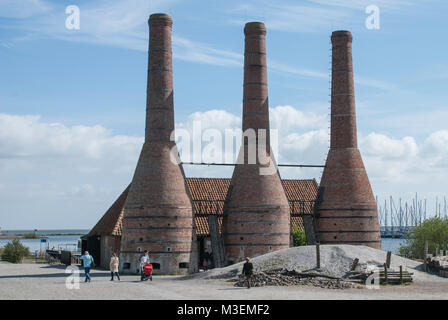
257 214
347 212
158 211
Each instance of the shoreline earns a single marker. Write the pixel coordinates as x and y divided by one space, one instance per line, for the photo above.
44 236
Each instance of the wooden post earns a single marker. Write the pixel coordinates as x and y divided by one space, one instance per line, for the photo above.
354 264
318 255
385 274
425 255
388 258
401 274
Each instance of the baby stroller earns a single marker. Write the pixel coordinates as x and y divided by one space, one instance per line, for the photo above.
147 272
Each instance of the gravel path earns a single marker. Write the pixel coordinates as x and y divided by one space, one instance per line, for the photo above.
34 281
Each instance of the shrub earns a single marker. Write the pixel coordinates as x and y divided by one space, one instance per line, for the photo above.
435 230
15 251
299 237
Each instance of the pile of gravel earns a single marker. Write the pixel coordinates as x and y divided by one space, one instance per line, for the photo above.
335 261
283 277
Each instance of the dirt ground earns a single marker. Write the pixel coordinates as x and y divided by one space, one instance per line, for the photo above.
39 281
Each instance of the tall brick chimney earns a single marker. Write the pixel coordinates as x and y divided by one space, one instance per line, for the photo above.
347 213
158 211
257 214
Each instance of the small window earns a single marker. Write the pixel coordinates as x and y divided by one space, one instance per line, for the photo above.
139 249
126 265
141 239
155 266
168 249
241 238
183 265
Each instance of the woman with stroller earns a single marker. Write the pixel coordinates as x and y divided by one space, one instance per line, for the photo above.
144 260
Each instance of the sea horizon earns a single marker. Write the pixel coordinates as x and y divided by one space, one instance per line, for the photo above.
44 231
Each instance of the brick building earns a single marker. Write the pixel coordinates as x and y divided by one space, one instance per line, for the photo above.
208 198
176 218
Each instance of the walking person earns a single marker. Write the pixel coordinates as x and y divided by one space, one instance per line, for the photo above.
114 262
143 261
87 262
247 271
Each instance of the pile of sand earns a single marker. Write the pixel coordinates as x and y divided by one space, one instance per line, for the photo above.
336 261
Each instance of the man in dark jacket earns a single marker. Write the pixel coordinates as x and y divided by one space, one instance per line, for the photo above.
247 271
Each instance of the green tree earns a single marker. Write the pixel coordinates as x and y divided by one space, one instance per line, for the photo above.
298 236
15 251
435 230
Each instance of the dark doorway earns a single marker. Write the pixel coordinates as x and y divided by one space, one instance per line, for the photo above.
94 248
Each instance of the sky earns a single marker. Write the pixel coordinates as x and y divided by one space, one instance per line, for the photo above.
72 101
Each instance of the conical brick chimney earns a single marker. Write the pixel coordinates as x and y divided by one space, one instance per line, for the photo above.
158 211
347 212
257 214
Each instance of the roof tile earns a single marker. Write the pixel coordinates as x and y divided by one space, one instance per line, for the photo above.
208 195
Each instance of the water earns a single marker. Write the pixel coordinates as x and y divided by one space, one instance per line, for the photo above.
60 239
68 240
391 244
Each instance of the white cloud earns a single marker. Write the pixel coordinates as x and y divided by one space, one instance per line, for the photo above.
379 145
435 149
28 137
290 118
69 175
59 176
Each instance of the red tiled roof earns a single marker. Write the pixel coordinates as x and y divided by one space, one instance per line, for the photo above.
202 228
208 195
300 190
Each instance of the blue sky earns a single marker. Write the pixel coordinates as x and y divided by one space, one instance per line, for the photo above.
72 102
